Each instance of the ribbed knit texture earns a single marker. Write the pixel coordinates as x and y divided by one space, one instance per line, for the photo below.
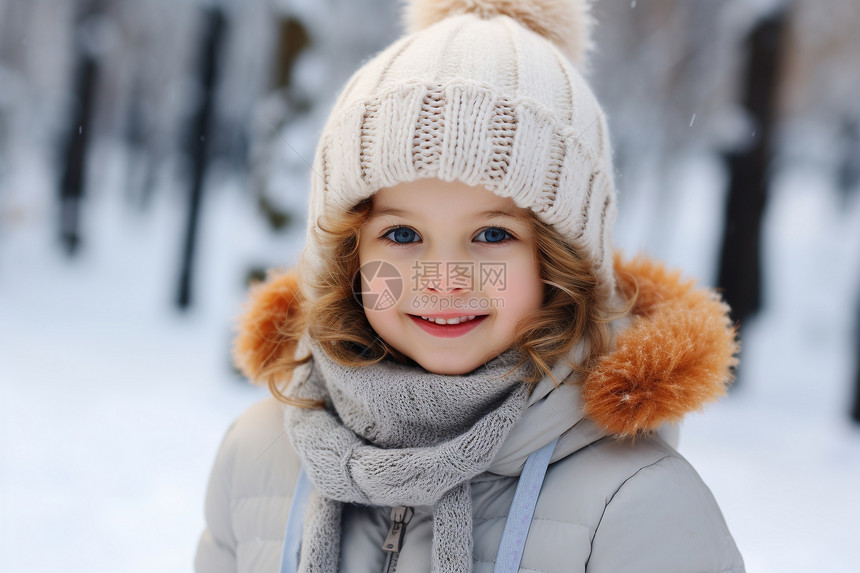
398 435
484 101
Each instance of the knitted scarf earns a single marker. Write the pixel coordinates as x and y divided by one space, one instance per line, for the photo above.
398 435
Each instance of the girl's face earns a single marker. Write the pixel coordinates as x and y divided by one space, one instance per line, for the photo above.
447 251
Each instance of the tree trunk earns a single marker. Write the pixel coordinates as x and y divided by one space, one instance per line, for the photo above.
77 138
212 41
749 170
855 409
848 170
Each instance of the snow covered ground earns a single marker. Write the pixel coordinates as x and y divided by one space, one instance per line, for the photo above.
112 404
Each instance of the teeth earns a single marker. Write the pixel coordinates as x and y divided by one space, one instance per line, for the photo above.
456 320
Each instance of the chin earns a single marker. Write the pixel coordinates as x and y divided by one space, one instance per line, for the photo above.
447 368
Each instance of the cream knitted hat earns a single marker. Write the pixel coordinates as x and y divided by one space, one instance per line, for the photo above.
484 92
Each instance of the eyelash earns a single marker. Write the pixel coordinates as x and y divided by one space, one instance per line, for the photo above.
393 243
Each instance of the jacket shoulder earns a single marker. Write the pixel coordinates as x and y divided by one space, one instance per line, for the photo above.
644 506
263 458
249 492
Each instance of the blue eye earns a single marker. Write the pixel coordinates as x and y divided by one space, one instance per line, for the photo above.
404 236
495 235
401 235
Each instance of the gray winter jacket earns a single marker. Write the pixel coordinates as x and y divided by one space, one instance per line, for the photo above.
609 503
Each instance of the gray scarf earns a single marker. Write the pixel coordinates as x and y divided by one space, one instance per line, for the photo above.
398 435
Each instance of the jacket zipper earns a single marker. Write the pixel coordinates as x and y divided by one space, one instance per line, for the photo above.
400 516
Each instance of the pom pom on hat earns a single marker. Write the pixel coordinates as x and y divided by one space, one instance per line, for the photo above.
565 23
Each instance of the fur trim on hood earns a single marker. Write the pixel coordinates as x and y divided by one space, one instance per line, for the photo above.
676 355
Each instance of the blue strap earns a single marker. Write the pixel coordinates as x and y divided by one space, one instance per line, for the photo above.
293 533
522 510
513 537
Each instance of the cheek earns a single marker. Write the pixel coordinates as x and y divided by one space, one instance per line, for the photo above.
527 292
384 322
524 292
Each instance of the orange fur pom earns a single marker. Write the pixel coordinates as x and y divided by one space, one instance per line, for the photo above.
677 354
261 337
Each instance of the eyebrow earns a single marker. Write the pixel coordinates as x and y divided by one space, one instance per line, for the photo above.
489 214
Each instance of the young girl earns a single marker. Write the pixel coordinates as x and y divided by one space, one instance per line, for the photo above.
465 376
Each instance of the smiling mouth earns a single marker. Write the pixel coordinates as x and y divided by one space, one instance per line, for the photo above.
457 326
452 320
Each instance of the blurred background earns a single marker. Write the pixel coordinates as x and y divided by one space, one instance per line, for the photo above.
154 159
